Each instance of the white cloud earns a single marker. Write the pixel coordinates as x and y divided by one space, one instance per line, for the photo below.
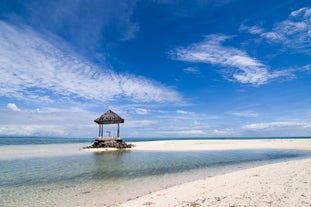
305 12
48 122
197 131
305 68
196 123
245 113
33 130
222 132
211 51
273 36
275 125
294 32
141 111
139 123
182 112
184 133
13 107
33 69
192 70
252 30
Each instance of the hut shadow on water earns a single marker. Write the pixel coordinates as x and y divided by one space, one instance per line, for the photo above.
112 153
111 164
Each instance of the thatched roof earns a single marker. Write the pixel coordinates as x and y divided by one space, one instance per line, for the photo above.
109 118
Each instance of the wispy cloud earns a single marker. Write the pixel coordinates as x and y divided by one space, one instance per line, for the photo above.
182 112
251 29
245 69
85 24
48 122
184 133
245 114
274 125
141 111
223 132
293 33
33 130
34 69
192 70
197 131
177 123
140 123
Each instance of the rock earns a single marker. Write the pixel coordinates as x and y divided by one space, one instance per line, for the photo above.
110 143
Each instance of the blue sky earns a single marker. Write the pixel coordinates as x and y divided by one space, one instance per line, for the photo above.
213 68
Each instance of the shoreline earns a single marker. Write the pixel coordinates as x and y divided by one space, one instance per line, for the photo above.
201 145
121 191
286 183
280 184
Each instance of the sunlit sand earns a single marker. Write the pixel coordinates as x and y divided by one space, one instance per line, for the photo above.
281 184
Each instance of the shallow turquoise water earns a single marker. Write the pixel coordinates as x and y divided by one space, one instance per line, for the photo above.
125 165
4 141
76 177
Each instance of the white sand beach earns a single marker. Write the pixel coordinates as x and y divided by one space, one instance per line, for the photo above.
285 183
202 145
198 145
281 184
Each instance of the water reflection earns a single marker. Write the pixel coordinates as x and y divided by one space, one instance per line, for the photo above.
121 173
110 164
127 164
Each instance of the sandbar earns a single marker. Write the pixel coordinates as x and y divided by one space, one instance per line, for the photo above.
281 184
201 145
287 183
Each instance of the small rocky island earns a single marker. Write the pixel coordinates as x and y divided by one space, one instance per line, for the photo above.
110 143
107 141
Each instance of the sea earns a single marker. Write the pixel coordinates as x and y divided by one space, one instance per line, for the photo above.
38 171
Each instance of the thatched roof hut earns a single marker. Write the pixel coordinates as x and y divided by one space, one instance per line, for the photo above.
109 117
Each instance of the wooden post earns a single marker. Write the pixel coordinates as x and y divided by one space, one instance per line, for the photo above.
118 132
99 129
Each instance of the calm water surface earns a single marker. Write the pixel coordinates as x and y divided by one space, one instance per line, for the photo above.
78 178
